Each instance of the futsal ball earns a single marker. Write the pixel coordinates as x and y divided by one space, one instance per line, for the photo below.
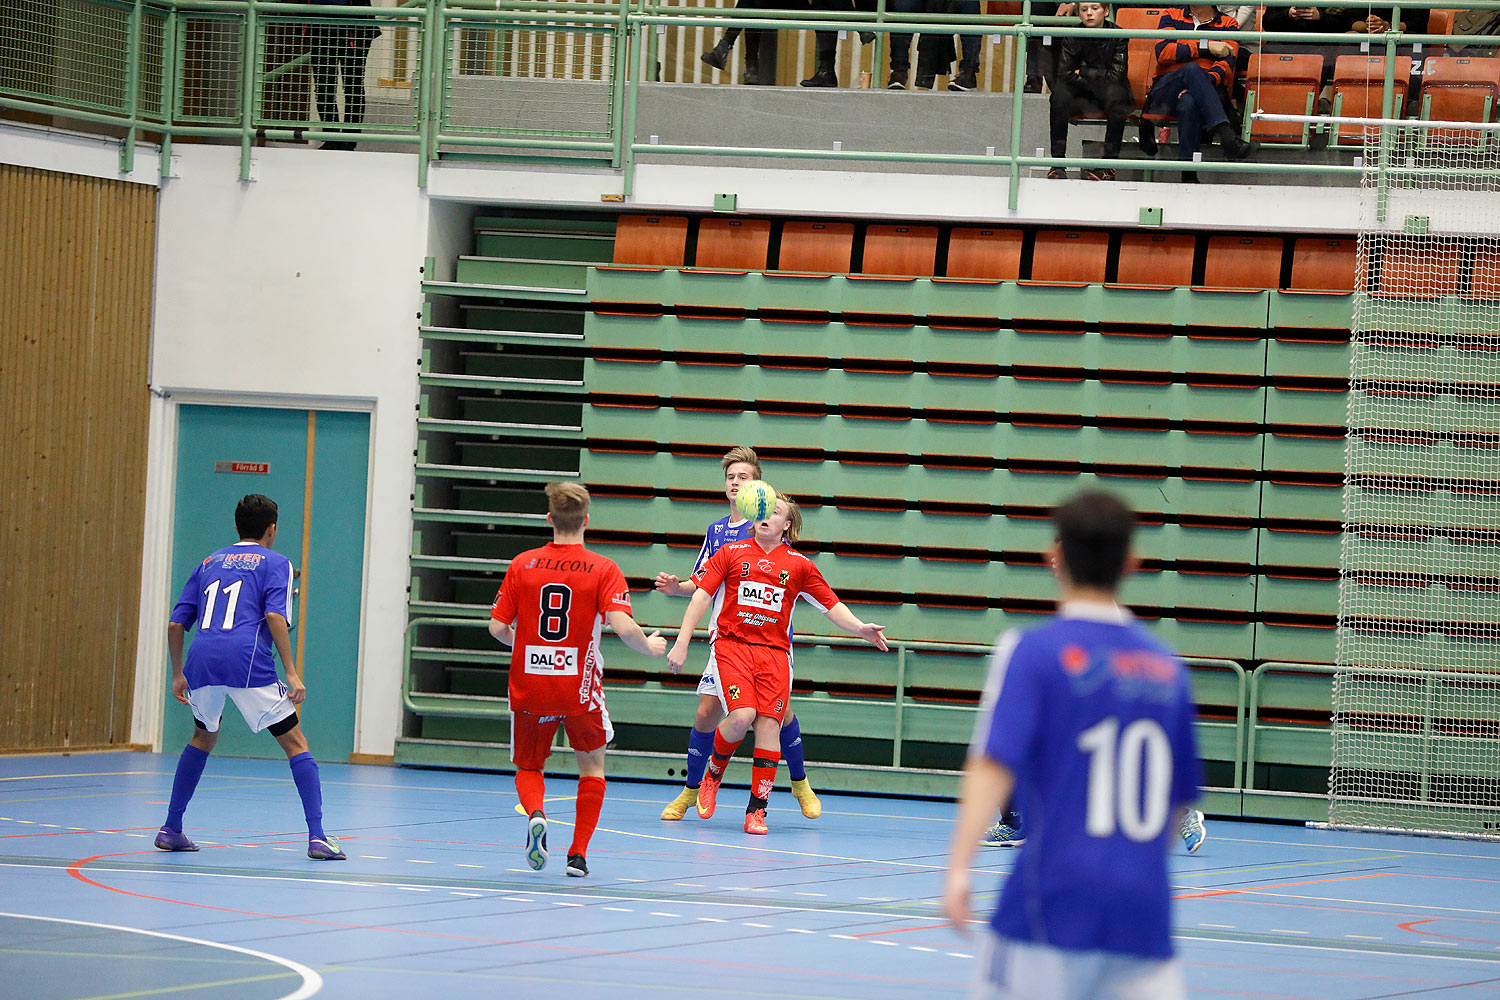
755 501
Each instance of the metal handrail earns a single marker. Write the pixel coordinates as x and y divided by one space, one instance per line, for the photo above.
627 22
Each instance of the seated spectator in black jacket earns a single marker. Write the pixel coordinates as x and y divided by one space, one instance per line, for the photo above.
1328 19
1377 21
1191 80
1091 72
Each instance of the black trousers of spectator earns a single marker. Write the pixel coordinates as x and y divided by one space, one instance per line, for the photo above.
827 42
335 57
1073 94
1040 58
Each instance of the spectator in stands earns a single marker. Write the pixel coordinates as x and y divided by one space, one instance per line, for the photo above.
934 52
1475 22
827 42
718 56
1192 79
1305 19
338 52
1091 72
1377 21
1039 56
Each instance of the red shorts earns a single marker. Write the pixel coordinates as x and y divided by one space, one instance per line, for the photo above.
751 676
531 735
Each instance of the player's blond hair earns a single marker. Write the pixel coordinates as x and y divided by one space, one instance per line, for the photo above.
568 503
741 453
793 519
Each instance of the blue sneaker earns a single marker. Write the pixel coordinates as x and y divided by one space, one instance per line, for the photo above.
324 849
536 841
1194 833
1002 835
173 840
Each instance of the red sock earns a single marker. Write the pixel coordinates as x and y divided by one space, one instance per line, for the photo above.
590 801
763 775
530 786
723 750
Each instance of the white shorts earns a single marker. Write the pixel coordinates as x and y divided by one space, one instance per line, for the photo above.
709 683
1016 970
261 707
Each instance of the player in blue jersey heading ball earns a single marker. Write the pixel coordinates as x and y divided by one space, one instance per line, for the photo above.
741 465
1088 721
240 599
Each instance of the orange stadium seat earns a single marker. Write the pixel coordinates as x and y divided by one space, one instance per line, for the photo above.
1484 283
1284 84
734 244
1440 22
985 254
1358 86
817 247
903 250
1420 268
1067 256
651 240
1156 259
1243 262
1459 89
1325 265
1142 66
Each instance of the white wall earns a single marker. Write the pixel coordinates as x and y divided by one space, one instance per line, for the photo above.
301 288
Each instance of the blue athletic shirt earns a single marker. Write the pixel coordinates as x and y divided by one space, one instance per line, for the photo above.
228 597
1095 719
719 534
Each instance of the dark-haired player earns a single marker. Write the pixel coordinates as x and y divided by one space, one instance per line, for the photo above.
240 600
752 586
1089 721
550 609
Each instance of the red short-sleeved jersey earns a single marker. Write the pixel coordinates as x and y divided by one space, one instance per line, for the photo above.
556 597
754 591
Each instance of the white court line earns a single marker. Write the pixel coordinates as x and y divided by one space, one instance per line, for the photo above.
311 981
1342 951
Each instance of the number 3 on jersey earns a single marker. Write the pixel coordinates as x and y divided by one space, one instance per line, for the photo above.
1120 763
552 626
211 595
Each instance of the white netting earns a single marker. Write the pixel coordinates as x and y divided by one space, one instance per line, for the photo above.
1416 723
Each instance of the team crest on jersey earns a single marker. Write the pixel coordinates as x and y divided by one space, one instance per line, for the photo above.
786 575
733 692
766 565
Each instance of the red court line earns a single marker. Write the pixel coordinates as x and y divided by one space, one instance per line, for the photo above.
1281 885
75 870
1411 925
908 930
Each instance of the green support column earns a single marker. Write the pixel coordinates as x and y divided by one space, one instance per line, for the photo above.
132 86
247 92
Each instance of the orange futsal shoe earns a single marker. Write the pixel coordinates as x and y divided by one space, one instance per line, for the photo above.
755 822
708 794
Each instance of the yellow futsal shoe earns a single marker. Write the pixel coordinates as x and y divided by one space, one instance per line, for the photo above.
803 793
678 807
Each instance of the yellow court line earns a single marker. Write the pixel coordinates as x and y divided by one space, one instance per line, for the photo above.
192 986
82 774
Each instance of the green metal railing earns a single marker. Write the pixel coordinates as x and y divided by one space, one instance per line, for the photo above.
499 78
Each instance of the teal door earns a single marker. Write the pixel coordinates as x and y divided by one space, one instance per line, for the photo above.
225 452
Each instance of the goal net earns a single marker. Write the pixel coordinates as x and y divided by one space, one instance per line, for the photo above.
1416 695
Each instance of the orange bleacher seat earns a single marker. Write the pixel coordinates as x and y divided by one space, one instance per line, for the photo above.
817 247
1063 256
651 240
1420 267
904 250
1158 259
1440 22
1283 84
734 244
1484 282
1459 89
985 254
1321 264
1243 262
1142 56
1358 83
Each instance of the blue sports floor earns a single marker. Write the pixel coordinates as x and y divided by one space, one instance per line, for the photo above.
436 900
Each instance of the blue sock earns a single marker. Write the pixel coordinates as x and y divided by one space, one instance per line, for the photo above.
791 750
700 745
305 774
189 770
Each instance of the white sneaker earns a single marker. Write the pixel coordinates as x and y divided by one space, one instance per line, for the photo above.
1193 831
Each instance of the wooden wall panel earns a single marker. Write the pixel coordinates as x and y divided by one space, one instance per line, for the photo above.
75 326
